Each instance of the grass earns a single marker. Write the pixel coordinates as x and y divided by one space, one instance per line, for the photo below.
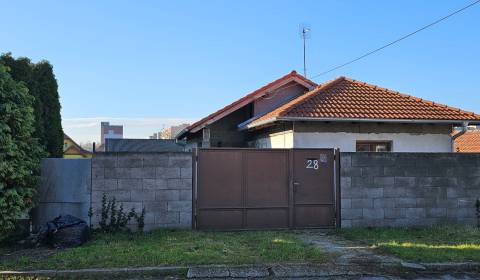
173 247
427 244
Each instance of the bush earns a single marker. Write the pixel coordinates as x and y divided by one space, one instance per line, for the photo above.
20 152
113 219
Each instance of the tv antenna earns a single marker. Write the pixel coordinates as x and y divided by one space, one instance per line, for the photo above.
305 34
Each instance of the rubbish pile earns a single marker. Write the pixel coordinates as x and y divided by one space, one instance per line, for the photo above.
62 232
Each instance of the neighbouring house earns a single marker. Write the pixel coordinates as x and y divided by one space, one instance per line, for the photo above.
169 132
72 150
144 145
108 131
294 112
467 141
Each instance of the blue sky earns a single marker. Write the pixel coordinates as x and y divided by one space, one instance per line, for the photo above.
152 63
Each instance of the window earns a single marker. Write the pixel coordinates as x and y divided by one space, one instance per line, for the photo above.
374 146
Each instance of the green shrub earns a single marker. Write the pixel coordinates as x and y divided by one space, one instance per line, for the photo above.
20 152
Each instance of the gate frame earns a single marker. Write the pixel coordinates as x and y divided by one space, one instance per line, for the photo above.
336 184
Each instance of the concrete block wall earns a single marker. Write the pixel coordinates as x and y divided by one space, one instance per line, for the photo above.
160 182
408 189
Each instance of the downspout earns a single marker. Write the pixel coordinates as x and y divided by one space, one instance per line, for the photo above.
455 136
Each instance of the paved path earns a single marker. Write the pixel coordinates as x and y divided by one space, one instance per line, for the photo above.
345 252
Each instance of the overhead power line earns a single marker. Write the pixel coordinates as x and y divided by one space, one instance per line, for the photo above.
397 40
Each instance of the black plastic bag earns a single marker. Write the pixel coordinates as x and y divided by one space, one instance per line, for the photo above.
64 231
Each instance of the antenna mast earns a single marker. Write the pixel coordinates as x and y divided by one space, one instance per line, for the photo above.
305 33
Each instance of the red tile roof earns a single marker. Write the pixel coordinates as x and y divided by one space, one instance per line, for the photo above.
345 98
252 95
468 142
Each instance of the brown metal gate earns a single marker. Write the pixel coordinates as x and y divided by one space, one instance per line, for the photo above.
265 188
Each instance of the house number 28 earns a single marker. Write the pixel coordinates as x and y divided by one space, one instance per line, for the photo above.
312 164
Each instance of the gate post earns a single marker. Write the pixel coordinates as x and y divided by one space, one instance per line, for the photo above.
338 208
194 186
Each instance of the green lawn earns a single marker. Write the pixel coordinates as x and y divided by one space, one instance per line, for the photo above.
172 247
427 244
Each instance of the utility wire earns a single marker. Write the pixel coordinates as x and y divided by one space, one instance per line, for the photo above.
396 41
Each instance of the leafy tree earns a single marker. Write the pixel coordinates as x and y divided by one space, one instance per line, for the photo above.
42 85
20 152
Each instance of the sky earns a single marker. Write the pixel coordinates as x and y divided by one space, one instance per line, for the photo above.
151 64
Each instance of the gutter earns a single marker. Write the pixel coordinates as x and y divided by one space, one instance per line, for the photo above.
273 119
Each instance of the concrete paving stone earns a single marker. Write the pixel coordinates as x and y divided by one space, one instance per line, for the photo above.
208 272
248 272
307 271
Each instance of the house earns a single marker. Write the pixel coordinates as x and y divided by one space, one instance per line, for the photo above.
108 131
294 112
169 132
467 141
143 145
72 150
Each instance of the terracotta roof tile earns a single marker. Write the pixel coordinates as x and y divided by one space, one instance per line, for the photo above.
468 142
292 74
349 99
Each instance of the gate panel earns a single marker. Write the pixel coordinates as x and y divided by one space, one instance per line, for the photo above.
313 188
220 198
266 188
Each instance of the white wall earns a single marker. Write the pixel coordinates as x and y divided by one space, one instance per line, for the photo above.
402 142
276 141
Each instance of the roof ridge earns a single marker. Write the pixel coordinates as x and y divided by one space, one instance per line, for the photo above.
412 97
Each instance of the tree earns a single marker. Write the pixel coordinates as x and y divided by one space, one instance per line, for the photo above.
42 85
45 86
20 152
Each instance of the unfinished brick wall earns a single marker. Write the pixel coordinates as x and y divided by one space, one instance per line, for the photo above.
404 189
160 182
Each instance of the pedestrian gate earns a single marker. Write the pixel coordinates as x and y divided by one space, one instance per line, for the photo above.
260 188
